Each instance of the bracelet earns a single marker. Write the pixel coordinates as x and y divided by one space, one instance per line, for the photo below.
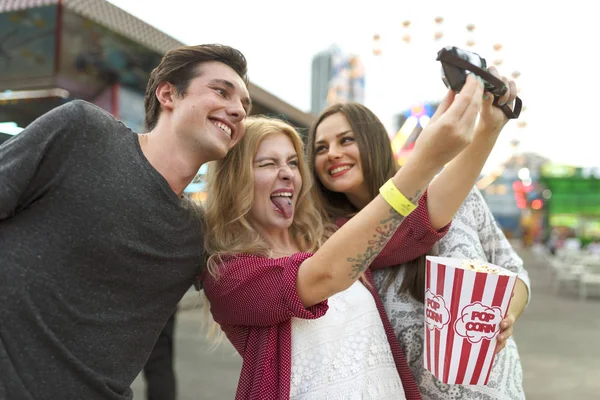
396 199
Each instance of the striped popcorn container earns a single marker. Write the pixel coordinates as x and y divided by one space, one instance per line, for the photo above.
463 311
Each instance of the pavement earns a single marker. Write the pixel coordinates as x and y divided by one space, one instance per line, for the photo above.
558 337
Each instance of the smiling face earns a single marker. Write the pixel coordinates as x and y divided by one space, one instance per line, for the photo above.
209 117
337 156
351 157
277 184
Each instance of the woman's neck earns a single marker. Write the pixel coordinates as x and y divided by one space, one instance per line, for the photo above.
359 198
282 243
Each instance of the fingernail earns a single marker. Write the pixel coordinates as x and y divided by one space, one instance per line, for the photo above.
501 103
481 80
486 96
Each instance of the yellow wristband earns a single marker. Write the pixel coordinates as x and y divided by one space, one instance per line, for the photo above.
396 199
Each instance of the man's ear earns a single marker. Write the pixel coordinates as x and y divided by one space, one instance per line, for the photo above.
166 93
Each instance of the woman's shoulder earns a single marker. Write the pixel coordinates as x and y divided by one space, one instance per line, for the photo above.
238 259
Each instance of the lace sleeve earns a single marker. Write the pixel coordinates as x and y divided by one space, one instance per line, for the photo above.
497 248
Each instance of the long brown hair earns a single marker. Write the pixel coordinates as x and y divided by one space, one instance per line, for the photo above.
379 165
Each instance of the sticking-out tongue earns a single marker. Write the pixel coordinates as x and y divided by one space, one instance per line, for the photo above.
283 204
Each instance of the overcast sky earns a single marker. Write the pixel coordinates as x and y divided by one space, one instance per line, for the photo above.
551 44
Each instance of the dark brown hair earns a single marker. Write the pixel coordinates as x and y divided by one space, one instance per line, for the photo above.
179 66
378 165
376 156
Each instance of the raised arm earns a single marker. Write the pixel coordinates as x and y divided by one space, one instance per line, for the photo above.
451 187
413 238
348 252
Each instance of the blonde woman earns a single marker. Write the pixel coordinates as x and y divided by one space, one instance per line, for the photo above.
286 291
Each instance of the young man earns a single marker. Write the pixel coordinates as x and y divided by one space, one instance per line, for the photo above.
97 245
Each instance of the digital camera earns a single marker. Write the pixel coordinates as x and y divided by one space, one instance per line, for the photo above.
458 63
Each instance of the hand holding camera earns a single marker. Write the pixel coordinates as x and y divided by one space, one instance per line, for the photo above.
492 114
457 64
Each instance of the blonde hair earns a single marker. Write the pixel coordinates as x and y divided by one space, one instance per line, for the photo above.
230 187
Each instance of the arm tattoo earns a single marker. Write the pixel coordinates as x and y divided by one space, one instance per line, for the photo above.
415 199
383 235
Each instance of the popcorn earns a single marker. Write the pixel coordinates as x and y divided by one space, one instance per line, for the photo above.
465 301
480 266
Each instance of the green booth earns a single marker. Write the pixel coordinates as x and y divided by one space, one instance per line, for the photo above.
573 199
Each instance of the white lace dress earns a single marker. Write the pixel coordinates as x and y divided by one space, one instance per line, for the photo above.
473 235
345 354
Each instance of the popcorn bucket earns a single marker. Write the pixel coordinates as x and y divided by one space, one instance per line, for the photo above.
463 311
